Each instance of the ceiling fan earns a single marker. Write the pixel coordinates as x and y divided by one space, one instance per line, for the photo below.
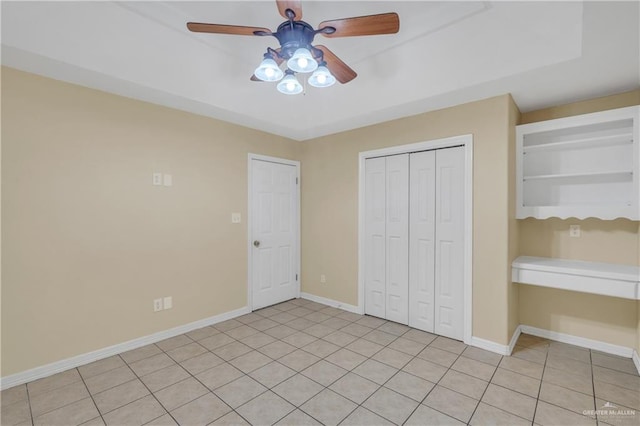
296 37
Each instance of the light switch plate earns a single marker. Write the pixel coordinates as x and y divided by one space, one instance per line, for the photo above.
167 180
574 231
157 179
235 217
168 302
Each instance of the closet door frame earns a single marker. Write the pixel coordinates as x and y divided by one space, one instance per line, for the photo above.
467 142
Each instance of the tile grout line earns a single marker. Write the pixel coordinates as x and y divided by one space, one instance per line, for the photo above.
91 396
593 387
397 336
559 385
296 407
437 383
205 386
361 405
29 402
320 359
247 374
544 367
485 391
146 387
61 406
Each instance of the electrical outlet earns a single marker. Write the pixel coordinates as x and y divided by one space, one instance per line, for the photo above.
323 279
168 302
235 217
574 231
157 305
157 179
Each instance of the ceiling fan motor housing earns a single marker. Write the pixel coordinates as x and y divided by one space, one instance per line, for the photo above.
293 35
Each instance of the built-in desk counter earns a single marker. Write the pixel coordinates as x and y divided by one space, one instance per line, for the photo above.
606 279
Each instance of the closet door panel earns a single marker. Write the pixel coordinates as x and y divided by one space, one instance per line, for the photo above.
397 230
422 188
449 243
375 237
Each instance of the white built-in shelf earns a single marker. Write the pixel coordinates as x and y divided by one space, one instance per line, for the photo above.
611 173
605 279
581 166
622 139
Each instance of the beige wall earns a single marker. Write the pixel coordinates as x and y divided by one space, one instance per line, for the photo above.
604 103
607 319
89 242
330 204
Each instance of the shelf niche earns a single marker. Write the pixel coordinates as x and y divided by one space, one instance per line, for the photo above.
582 166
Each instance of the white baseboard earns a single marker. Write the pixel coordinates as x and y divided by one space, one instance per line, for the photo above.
78 360
490 346
514 339
498 348
331 302
558 337
636 360
579 341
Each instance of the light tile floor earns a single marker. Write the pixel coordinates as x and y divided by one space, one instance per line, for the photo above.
303 363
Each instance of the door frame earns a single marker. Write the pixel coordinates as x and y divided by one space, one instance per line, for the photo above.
463 140
251 157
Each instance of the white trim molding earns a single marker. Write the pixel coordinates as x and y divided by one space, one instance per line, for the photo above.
609 348
497 347
514 339
463 140
78 360
330 302
490 346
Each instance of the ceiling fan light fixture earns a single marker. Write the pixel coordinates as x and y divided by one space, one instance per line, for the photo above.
322 77
289 85
268 70
302 61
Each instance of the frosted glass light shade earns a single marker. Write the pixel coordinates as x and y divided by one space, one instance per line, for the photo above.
289 85
268 70
302 61
322 77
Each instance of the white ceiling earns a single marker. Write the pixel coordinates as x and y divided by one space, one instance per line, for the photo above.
446 53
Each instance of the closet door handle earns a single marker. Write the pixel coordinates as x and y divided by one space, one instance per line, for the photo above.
256 243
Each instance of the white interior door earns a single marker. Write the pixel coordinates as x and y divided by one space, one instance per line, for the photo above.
274 232
374 229
397 244
449 243
422 211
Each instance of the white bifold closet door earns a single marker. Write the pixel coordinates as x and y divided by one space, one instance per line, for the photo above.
397 240
436 242
414 240
375 271
387 237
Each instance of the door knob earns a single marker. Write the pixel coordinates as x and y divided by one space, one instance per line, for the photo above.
256 243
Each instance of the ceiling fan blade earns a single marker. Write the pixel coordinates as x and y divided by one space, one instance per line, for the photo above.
197 27
385 23
341 71
294 5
